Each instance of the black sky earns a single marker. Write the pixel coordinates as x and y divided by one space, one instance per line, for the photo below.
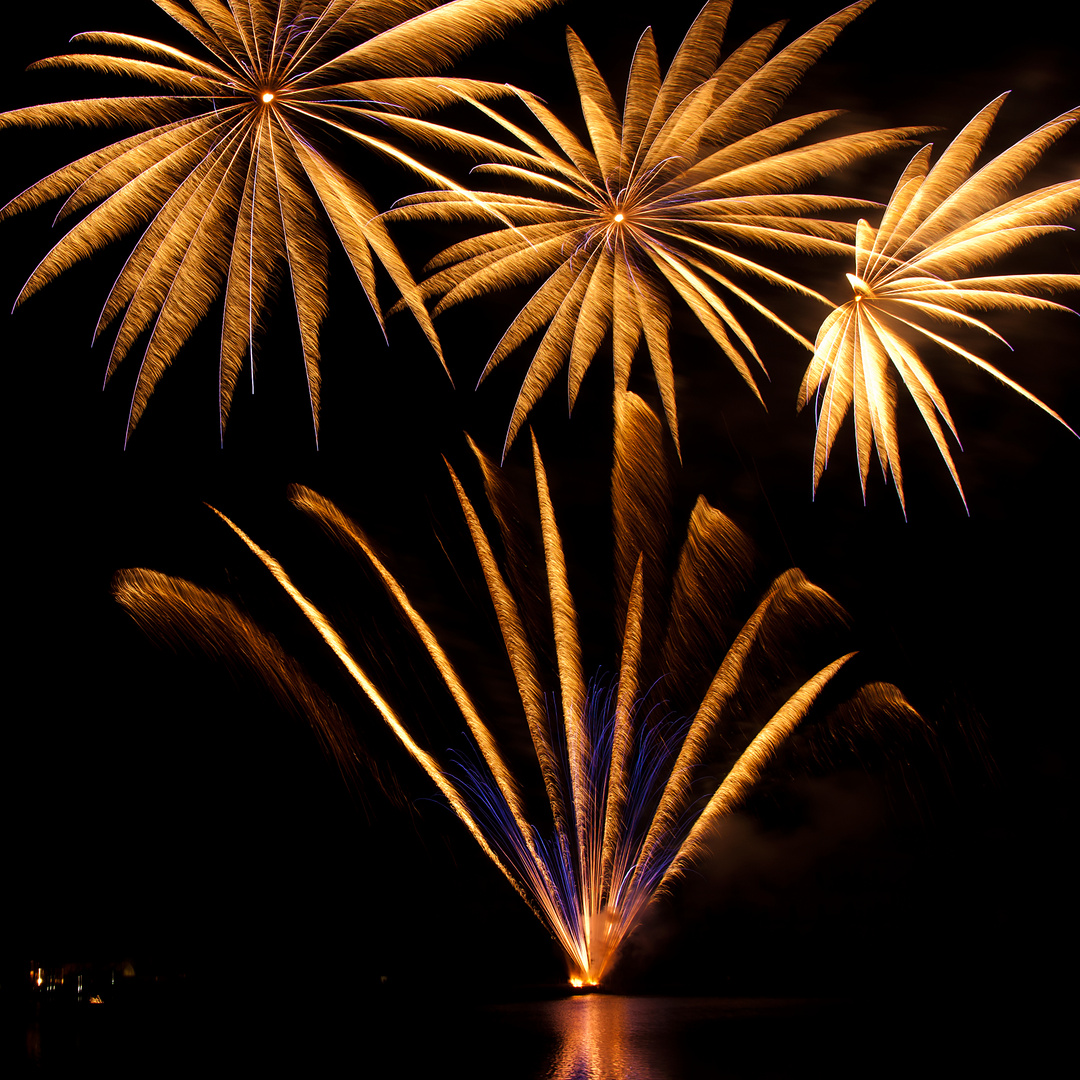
164 811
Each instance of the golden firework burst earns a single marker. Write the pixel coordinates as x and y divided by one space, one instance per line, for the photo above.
634 797
226 179
939 224
659 201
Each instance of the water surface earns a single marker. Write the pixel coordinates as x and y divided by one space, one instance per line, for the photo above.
546 1037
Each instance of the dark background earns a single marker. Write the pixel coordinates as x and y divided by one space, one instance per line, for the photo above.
166 811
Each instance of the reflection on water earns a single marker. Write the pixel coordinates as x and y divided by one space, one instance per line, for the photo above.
437 1033
610 1037
600 1036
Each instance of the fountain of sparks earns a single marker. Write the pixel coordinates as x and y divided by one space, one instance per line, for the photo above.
631 796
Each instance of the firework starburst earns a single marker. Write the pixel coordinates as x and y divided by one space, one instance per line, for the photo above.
632 796
939 225
227 179
658 201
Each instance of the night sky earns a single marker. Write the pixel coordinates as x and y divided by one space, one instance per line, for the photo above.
168 811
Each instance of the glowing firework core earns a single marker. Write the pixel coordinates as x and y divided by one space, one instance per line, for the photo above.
266 97
860 286
619 218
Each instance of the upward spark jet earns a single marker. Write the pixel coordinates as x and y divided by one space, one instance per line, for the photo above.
622 800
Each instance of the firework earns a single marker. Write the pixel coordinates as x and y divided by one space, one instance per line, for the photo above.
636 773
939 225
660 201
226 181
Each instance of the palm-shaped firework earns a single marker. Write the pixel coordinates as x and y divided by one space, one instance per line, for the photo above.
631 798
656 202
228 182
939 224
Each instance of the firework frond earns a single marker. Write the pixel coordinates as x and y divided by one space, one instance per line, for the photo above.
911 272
187 616
431 40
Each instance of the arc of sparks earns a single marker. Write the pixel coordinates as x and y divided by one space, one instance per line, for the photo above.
941 222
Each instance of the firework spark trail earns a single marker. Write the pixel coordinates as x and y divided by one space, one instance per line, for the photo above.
226 185
344 530
622 774
183 614
341 651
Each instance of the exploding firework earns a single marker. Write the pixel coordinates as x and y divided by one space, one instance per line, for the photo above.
939 224
228 183
631 796
660 201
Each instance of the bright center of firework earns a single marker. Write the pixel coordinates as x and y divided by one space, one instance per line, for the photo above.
266 97
619 217
860 286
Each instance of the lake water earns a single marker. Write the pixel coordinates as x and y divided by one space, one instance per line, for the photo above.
576 1037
